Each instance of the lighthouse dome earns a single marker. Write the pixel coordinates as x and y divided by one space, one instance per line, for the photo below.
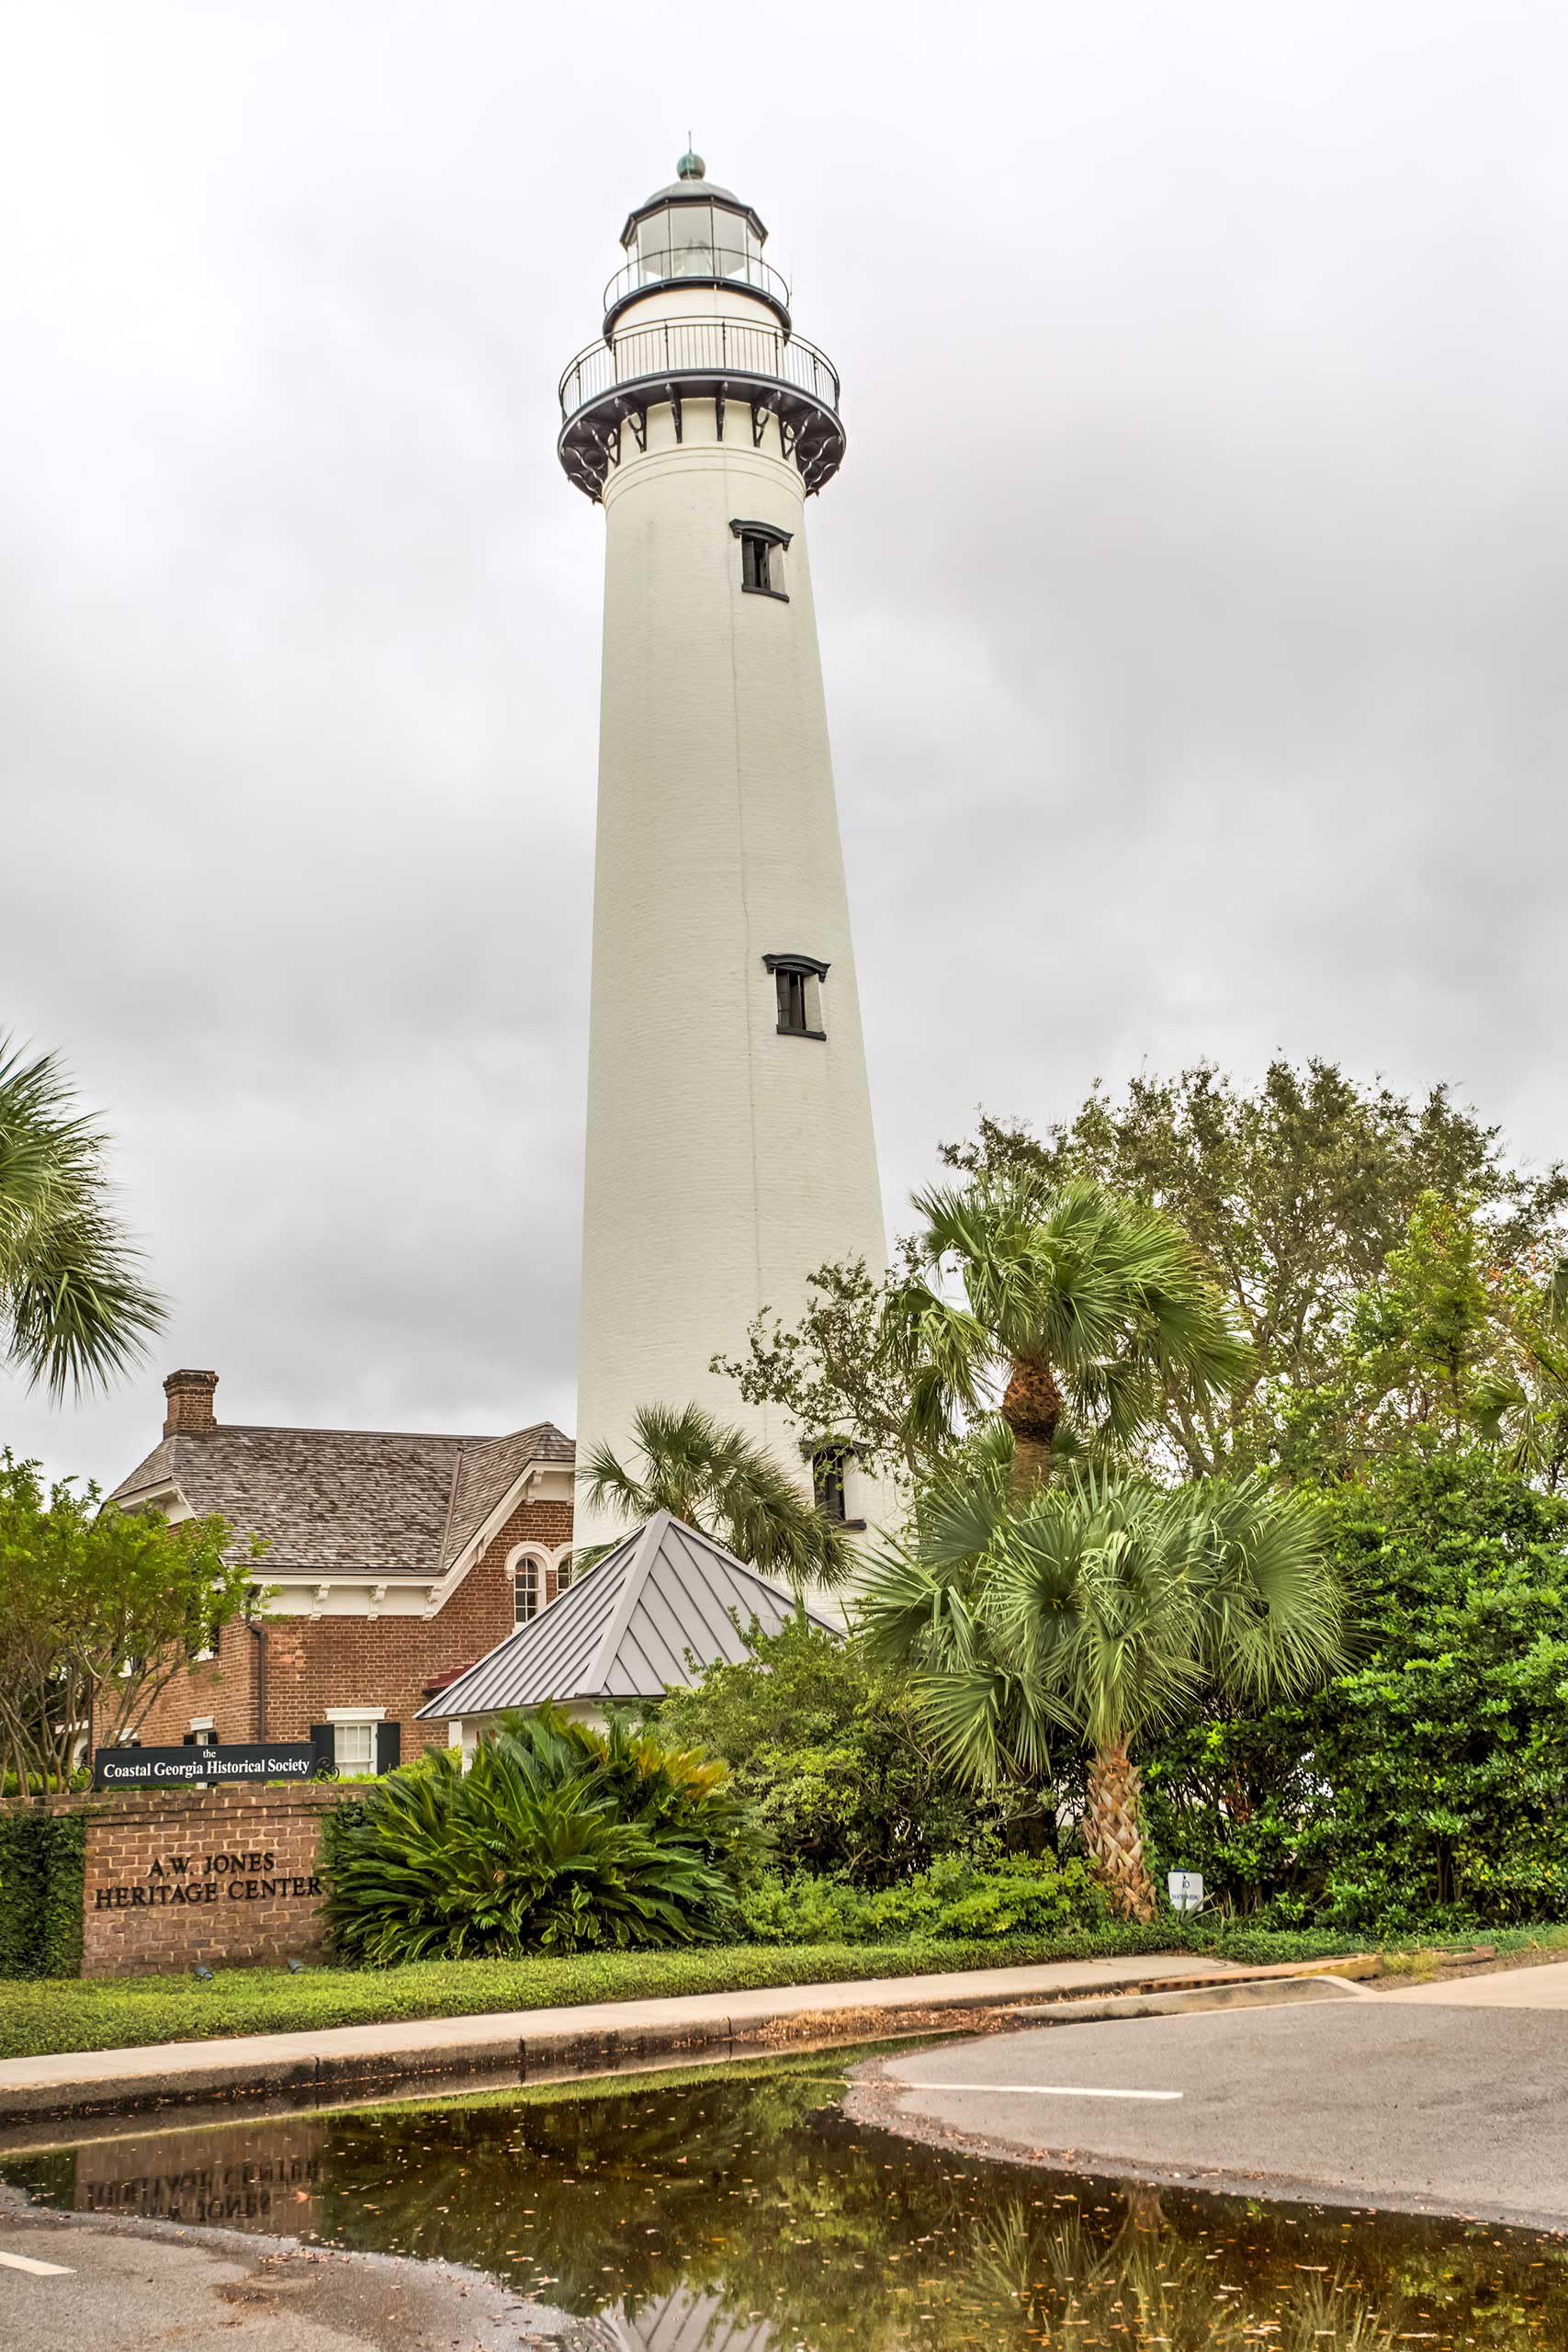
692 193
687 187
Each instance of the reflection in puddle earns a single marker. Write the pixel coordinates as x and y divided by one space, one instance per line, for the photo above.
736 2209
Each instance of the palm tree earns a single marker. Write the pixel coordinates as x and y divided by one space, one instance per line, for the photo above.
1084 1308
1104 1608
723 1482
1067 2284
73 1309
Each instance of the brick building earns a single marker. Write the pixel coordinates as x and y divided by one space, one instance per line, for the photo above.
395 1561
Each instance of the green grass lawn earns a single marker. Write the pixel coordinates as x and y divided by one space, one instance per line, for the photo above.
52 2014
39 2017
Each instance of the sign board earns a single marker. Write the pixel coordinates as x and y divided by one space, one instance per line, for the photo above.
144 1768
1186 1888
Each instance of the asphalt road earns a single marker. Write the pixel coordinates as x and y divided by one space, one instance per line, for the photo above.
1427 2106
91 2286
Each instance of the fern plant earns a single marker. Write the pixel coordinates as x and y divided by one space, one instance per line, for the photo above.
559 1837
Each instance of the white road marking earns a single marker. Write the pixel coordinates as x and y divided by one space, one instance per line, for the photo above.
1035 2091
35 2269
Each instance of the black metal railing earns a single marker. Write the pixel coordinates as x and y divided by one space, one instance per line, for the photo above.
708 264
674 348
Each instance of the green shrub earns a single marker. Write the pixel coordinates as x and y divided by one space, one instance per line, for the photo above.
42 1858
558 1838
831 1751
805 1907
1427 1787
956 1900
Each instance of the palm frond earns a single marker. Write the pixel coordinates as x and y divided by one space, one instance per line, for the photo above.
717 1478
1102 1608
1108 1293
74 1309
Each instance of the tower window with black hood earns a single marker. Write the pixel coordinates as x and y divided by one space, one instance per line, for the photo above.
798 980
762 548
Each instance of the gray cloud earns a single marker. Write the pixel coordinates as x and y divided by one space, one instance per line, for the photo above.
1190 600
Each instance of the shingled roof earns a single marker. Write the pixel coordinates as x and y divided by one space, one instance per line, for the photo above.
653 1613
402 1503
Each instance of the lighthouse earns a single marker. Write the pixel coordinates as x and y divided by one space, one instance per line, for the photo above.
730 1143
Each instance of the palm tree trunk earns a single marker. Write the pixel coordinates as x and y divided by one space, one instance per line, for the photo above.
1031 1407
1113 1835
1145 2211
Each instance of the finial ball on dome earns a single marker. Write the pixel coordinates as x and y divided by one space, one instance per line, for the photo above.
690 166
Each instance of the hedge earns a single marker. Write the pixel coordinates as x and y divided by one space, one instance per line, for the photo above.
42 1859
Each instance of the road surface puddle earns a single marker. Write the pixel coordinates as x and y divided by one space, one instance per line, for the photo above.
738 2210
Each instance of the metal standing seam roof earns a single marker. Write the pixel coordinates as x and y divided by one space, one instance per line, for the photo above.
681 2321
649 1617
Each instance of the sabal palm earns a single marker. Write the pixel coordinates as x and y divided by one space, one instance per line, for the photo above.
1066 2285
1084 1308
73 1309
1102 1610
1521 1400
716 1478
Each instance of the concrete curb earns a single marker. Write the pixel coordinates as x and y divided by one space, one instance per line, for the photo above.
558 2053
1245 1993
529 2057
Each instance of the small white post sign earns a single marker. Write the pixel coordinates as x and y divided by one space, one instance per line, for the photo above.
1186 1889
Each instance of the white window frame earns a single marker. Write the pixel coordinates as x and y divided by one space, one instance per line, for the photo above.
533 1556
354 1719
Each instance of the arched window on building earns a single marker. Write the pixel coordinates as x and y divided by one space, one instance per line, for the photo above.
565 1572
527 1588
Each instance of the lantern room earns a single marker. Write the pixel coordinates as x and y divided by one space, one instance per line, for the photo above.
694 233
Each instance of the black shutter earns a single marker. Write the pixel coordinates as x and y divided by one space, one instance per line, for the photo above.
323 1752
389 1745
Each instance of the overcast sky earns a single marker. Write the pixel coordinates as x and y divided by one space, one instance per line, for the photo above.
1193 599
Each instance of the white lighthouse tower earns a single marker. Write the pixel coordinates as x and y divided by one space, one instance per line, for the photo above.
729 1147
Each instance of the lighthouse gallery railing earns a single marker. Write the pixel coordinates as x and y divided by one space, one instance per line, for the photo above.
716 266
667 347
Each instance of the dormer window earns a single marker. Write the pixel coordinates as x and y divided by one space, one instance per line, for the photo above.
763 549
798 980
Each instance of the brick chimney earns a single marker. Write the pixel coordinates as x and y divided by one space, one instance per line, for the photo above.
190 1410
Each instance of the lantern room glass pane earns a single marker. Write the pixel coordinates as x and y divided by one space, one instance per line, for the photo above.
731 242
696 241
691 240
653 246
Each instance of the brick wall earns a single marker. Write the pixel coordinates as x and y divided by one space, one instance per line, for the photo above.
251 2175
226 1877
224 1688
317 1663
